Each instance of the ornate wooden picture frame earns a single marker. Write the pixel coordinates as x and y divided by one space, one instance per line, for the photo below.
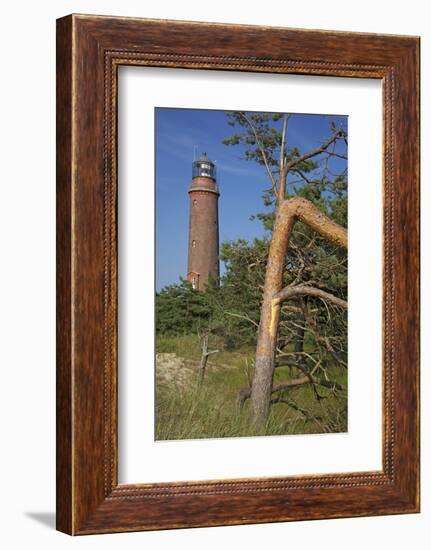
89 51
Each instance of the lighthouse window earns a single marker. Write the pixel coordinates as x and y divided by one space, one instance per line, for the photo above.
193 244
195 203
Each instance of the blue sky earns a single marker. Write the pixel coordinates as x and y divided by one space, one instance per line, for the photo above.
177 133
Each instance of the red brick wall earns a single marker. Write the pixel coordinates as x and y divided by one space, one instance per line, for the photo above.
203 231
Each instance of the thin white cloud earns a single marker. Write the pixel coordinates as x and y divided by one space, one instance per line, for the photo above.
239 170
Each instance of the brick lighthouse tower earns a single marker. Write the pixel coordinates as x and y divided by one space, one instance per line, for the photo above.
203 254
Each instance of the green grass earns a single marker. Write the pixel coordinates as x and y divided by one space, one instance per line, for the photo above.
211 411
188 346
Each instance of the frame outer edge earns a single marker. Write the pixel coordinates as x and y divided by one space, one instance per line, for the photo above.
80 505
407 272
64 368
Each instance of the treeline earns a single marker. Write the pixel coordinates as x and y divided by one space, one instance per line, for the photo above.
229 310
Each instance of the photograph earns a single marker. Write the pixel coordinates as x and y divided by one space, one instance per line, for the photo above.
251 274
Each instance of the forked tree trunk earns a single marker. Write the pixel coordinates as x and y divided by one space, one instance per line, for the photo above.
290 211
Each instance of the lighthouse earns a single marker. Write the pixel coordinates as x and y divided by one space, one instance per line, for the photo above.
203 253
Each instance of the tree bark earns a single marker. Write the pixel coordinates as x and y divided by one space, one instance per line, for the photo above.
204 359
288 212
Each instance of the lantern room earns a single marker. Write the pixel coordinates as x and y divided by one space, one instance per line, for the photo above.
203 167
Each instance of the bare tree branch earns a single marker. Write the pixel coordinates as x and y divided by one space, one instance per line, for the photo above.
290 292
283 140
262 152
245 317
245 393
283 169
294 162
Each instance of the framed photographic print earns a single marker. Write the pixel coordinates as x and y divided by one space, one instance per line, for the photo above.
237 274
